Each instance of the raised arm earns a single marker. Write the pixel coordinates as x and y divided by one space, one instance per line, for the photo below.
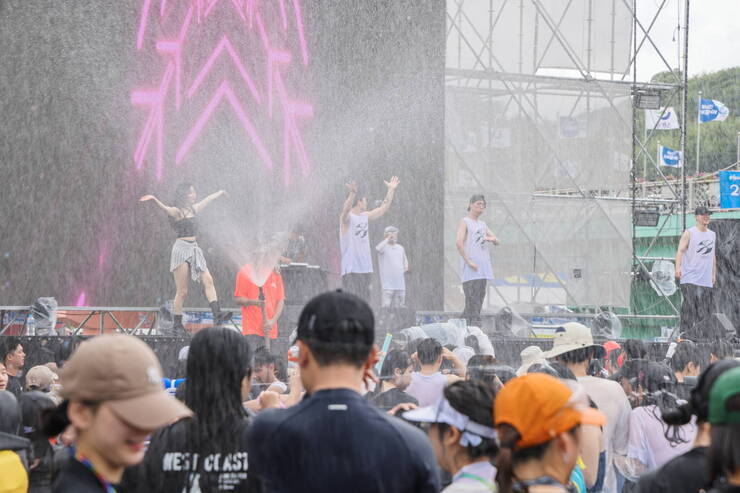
348 203
462 232
387 201
210 198
171 211
381 246
683 245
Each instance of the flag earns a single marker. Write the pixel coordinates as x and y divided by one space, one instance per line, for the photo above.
670 157
712 110
663 119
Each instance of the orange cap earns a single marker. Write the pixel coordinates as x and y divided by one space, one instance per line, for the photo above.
540 407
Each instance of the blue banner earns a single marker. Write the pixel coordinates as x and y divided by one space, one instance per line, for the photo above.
729 189
712 110
669 157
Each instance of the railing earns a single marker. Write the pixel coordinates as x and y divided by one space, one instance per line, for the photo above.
76 320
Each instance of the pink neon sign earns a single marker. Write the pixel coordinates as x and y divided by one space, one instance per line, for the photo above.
266 53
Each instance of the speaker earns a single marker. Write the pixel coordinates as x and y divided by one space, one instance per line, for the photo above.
716 327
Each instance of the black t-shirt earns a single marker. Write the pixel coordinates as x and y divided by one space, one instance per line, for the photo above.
336 441
391 398
74 477
169 466
685 473
15 385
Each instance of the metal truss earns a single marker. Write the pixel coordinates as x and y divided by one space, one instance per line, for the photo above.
474 62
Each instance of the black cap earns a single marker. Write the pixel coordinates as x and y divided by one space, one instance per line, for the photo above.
702 211
336 316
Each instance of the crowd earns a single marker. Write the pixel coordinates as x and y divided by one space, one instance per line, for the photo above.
338 415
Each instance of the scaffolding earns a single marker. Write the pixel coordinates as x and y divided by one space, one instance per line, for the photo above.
540 116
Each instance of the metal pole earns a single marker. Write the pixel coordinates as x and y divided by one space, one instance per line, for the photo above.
698 132
685 109
737 157
644 161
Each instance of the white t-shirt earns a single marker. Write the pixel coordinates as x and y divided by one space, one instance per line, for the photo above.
647 442
355 245
611 400
697 262
392 264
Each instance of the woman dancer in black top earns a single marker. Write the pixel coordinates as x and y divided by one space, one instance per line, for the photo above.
187 257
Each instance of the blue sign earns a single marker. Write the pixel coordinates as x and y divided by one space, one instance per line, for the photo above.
729 189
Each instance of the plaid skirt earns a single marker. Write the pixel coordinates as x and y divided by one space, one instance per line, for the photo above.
190 252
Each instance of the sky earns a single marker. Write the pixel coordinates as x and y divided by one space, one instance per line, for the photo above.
714 43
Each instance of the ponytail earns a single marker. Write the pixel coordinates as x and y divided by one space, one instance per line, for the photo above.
508 436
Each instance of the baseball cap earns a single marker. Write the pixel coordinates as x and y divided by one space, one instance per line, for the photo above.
40 377
702 211
540 407
337 317
391 229
571 336
472 433
123 372
725 388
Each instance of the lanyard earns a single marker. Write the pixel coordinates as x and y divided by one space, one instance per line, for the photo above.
103 482
541 481
468 475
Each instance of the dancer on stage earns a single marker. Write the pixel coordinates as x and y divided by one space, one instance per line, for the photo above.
472 241
357 263
696 267
187 258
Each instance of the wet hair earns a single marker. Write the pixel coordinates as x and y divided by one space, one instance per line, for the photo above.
346 343
33 405
429 350
721 349
396 359
509 455
474 399
213 392
698 403
10 415
481 368
576 356
10 344
634 349
180 197
724 449
686 352
263 357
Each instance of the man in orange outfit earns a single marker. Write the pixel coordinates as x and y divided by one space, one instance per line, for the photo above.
247 294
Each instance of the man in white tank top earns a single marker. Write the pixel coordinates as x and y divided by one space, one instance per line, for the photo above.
472 241
696 267
357 262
